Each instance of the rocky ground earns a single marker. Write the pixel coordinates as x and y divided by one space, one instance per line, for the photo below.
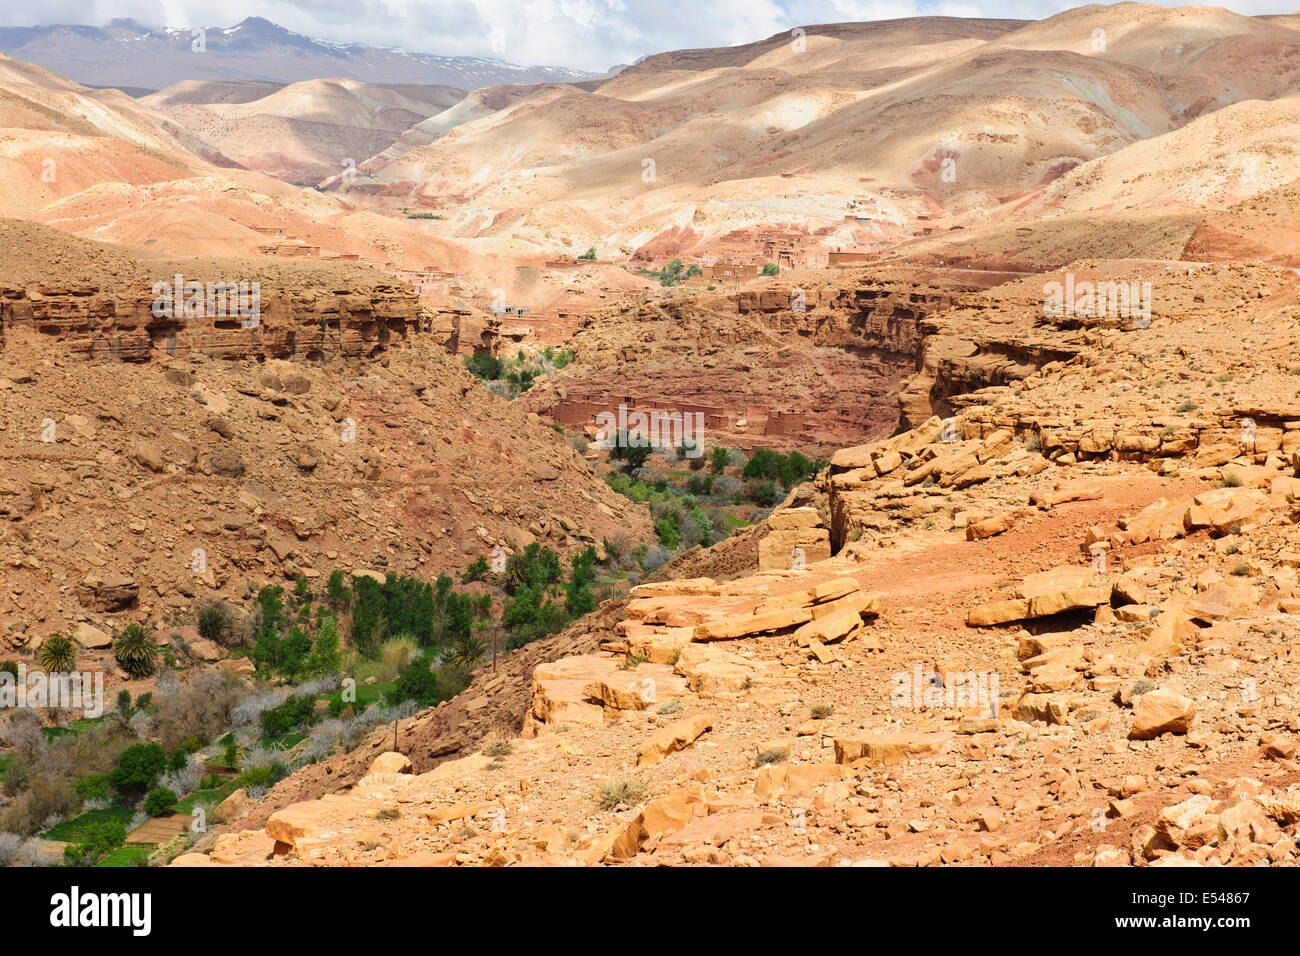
1058 627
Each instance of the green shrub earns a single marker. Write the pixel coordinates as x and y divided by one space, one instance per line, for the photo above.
476 571
672 273
57 655
135 651
100 839
415 681
265 776
93 786
700 484
160 802
213 623
766 493
621 793
789 469
484 366
295 712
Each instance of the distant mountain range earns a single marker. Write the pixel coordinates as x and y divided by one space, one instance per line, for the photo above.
138 60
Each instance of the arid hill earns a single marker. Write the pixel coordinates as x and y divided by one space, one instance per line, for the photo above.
333 432
320 127
949 121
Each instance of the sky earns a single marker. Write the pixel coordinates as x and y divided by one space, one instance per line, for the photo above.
589 35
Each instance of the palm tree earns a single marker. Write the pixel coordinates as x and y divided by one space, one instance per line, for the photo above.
135 651
466 652
213 623
57 655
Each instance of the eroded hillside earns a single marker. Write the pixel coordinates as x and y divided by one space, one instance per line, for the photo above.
334 432
1055 627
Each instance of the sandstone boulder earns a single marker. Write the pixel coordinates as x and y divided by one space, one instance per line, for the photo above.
671 739
391 762
91 638
1161 712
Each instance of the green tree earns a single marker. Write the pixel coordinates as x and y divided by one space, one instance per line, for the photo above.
295 651
634 449
160 802
93 786
459 619
719 460
325 653
336 591
367 613
266 653
579 598
271 600
763 463
137 769
669 531
534 566
484 366
296 711
476 570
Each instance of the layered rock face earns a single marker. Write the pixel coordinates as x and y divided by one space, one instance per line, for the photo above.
809 367
107 304
304 316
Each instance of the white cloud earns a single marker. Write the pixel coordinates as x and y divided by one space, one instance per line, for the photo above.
584 34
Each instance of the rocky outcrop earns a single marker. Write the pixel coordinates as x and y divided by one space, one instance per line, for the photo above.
782 367
349 321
